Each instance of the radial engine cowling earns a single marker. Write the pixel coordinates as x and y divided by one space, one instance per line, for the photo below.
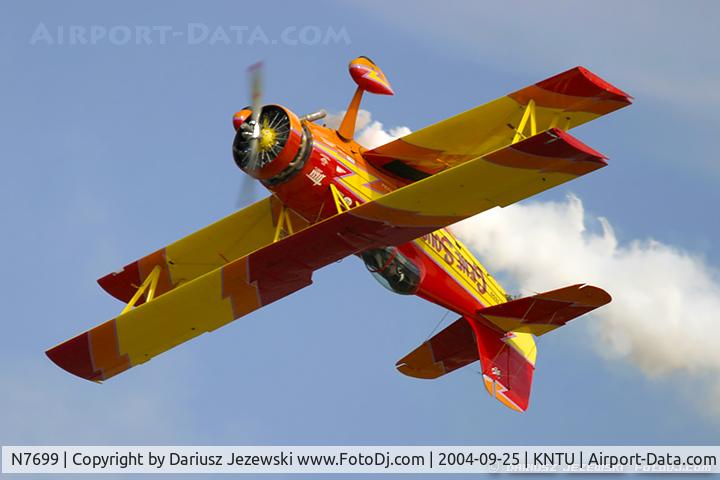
282 146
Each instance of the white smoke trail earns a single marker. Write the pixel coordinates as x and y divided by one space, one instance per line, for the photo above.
665 301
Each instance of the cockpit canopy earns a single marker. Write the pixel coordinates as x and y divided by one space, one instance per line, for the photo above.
392 270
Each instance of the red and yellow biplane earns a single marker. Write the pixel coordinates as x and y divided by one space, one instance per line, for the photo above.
390 206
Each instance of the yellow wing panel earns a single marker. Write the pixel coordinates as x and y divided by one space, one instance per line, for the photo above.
200 306
203 251
564 101
498 179
169 321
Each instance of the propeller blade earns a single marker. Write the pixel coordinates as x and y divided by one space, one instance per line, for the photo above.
247 193
254 153
255 74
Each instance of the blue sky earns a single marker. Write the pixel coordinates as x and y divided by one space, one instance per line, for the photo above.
110 151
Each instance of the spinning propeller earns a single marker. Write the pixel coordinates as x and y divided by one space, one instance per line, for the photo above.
252 127
265 135
261 137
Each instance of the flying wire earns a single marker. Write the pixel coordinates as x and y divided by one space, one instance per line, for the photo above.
447 312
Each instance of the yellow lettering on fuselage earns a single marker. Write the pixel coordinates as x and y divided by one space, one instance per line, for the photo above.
450 254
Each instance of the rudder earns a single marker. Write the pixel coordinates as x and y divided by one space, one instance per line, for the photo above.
508 364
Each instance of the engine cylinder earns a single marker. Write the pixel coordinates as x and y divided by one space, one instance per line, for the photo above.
282 145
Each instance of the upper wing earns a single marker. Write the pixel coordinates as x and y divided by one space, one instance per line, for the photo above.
203 251
563 101
267 274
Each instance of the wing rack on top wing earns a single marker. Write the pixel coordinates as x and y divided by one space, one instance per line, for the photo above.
266 274
564 101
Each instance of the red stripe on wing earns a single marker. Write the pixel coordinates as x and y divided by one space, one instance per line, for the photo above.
551 151
576 90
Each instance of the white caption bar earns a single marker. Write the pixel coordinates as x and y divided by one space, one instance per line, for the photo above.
361 459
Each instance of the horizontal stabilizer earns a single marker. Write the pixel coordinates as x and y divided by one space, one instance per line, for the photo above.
508 359
452 348
501 337
547 311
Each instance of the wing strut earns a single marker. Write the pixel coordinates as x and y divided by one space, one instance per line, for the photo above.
150 284
283 221
340 203
528 114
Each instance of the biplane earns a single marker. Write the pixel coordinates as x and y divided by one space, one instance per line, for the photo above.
391 206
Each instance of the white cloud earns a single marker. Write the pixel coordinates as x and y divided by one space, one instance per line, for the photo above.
368 132
374 135
665 300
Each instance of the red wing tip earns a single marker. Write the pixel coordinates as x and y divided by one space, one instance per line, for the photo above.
73 356
581 82
122 285
605 85
593 155
599 296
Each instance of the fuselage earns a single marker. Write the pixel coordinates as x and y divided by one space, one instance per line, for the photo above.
436 267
